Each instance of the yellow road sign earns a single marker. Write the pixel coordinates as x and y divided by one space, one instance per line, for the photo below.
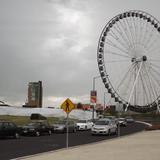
67 105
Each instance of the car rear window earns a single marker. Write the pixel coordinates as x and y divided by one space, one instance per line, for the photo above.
101 122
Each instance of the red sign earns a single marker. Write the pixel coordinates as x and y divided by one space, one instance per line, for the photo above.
93 97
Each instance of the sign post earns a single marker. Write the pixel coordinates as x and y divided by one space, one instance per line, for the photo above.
67 106
93 100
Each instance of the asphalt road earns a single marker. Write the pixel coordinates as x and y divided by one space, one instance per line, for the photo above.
13 148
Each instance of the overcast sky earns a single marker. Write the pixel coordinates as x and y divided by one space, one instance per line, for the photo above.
55 41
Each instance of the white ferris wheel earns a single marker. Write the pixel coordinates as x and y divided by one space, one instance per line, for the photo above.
128 58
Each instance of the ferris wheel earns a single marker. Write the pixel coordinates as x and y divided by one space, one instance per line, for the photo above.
128 58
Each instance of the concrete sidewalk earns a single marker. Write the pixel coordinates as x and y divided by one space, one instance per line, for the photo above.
141 146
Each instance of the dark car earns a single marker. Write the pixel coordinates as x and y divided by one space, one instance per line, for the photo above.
9 129
37 128
129 119
61 126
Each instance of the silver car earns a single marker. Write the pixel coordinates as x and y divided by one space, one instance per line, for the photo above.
104 127
61 126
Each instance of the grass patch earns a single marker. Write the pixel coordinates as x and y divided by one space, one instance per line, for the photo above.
22 120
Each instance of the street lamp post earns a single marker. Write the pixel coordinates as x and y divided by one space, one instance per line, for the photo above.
94 104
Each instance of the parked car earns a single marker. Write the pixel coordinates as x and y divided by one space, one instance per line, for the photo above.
61 126
129 119
37 128
104 126
84 124
122 122
9 129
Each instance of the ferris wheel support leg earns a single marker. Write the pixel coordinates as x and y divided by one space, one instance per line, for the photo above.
135 82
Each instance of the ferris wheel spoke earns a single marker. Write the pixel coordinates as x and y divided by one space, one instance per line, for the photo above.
153 42
120 33
144 89
155 85
152 89
118 40
125 75
116 46
147 84
131 93
155 71
154 60
114 61
148 38
126 36
147 88
134 31
140 31
154 50
145 33
155 65
130 30
155 77
117 54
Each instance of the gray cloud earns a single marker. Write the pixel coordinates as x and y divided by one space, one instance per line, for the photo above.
54 41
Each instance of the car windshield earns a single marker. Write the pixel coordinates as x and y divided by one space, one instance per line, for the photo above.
101 122
82 121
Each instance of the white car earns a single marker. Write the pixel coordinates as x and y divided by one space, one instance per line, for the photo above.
105 127
84 124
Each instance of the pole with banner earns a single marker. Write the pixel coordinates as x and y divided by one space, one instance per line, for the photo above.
67 106
93 100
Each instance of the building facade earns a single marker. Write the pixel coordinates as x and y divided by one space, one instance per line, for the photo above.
34 95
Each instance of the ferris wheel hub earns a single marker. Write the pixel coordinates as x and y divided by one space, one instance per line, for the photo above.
139 59
144 58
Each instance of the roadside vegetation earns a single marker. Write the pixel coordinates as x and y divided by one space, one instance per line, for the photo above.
22 120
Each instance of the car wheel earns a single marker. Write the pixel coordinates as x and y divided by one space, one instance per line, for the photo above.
17 136
37 133
49 132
